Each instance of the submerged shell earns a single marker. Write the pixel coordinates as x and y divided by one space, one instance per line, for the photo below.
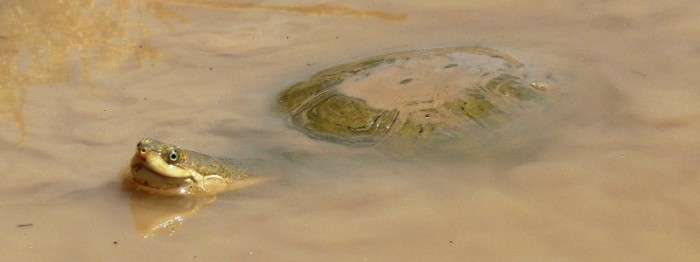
431 93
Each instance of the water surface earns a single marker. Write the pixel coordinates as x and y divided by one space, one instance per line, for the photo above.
610 173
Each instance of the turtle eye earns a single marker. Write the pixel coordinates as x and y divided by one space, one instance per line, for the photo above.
173 156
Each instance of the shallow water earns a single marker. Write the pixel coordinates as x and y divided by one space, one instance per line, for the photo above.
610 173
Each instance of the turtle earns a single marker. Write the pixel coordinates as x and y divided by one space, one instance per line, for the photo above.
414 96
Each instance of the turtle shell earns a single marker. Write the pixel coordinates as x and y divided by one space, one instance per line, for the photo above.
442 92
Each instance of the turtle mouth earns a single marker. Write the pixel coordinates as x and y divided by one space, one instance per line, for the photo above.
144 176
140 161
148 178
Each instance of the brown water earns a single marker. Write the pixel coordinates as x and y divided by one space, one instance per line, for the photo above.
609 174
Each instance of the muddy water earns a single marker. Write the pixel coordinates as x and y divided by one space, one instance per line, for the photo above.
610 173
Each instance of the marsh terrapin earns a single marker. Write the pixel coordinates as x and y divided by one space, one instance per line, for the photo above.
437 93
